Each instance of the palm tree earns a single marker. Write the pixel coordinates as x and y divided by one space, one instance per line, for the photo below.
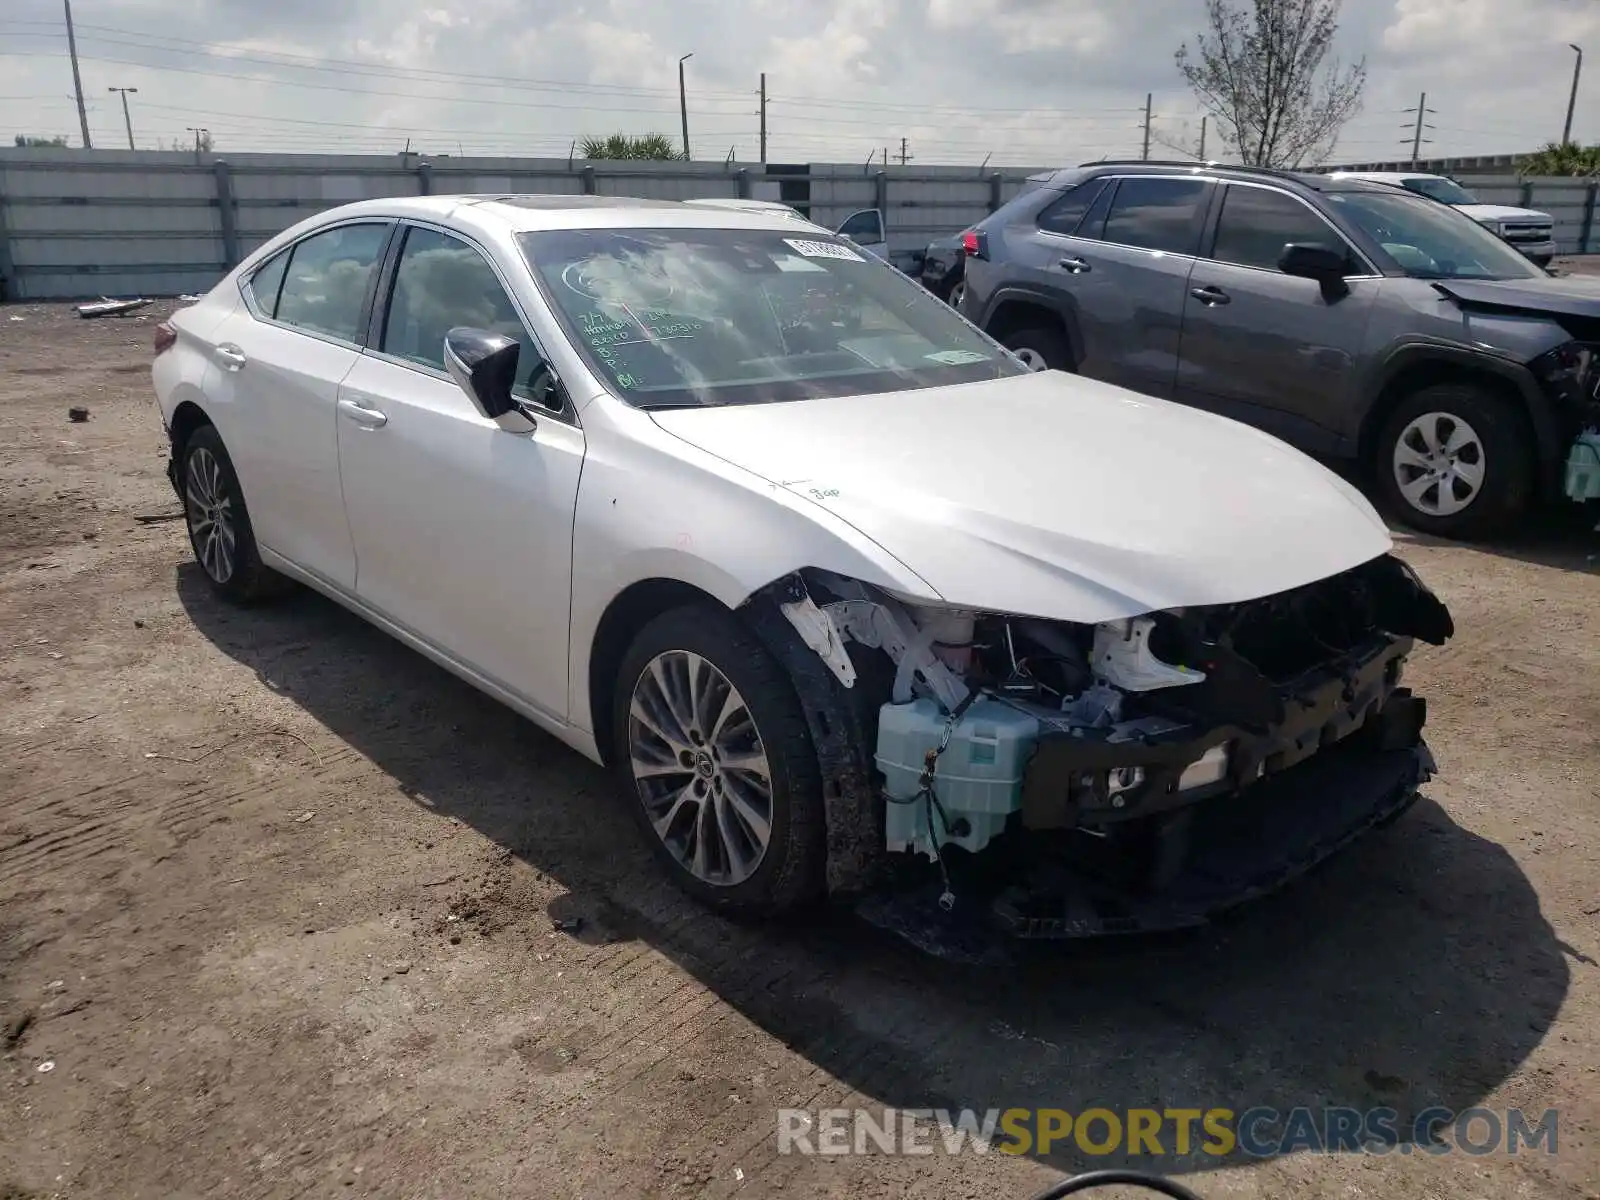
654 146
1562 158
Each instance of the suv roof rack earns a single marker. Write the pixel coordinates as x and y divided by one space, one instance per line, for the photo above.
1211 164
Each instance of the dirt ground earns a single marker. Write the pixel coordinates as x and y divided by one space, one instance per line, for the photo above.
289 912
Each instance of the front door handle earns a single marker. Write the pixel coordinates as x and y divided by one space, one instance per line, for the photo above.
230 356
1075 265
367 418
1211 295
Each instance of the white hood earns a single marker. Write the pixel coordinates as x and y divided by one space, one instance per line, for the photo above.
1055 496
1501 212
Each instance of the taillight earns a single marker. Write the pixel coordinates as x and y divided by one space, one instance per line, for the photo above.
969 242
166 336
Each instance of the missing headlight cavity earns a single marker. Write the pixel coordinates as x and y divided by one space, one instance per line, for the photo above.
987 743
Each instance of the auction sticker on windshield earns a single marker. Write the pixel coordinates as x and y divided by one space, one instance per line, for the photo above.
810 249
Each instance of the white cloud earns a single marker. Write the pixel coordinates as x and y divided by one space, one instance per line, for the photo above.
1025 81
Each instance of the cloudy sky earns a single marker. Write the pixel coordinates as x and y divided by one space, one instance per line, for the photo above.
1031 82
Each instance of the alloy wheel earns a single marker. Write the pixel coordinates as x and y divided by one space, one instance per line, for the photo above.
700 768
1031 359
1439 464
956 293
209 511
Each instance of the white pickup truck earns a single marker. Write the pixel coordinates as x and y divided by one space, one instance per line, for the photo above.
1529 231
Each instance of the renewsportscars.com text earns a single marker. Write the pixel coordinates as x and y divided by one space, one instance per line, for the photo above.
1157 1132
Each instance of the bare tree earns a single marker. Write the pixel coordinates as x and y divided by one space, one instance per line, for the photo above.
1262 68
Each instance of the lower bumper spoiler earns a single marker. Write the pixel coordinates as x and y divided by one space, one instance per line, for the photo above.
1236 848
1239 848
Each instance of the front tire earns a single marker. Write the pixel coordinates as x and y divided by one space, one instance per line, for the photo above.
220 532
1456 461
713 750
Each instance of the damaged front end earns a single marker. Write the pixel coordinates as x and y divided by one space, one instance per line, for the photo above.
1069 780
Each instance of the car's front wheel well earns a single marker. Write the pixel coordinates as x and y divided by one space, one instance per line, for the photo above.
630 611
1414 378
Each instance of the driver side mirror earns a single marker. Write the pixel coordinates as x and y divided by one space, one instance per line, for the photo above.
484 366
1312 260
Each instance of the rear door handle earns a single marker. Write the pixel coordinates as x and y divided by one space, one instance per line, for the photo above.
1211 295
359 412
230 356
1075 265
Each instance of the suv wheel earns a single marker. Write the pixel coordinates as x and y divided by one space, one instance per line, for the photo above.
1040 348
1456 460
714 749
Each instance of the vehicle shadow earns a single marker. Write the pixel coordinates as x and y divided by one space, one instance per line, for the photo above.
1560 535
1415 970
1563 538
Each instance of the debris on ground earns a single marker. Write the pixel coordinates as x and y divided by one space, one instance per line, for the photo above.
77 415
17 1026
106 307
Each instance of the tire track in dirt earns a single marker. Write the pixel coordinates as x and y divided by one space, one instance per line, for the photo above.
121 813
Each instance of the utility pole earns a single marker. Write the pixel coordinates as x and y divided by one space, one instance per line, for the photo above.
127 121
77 80
886 156
904 156
1416 137
683 102
1148 97
763 118
1577 69
1202 155
198 133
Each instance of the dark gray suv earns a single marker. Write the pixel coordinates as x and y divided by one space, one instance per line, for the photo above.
1352 319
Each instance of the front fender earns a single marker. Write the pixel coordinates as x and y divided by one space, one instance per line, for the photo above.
1549 436
652 507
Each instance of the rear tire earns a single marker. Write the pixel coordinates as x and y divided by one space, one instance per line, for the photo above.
1456 461
713 751
220 532
1040 347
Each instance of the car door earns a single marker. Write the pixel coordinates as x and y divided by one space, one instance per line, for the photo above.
865 229
1274 350
1119 257
278 359
462 530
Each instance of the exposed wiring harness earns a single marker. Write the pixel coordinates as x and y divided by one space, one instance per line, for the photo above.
1097 1179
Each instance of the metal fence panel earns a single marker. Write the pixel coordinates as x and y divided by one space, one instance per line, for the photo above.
79 223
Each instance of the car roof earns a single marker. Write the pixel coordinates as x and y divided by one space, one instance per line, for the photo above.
1383 176
520 213
738 203
1215 170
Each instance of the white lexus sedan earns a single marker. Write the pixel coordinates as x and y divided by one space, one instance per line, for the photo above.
849 598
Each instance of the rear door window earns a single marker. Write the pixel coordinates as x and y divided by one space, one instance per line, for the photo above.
1064 215
325 288
1156 214
264 283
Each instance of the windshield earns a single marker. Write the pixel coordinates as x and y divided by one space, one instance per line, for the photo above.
1431 241
675 317
1446 190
